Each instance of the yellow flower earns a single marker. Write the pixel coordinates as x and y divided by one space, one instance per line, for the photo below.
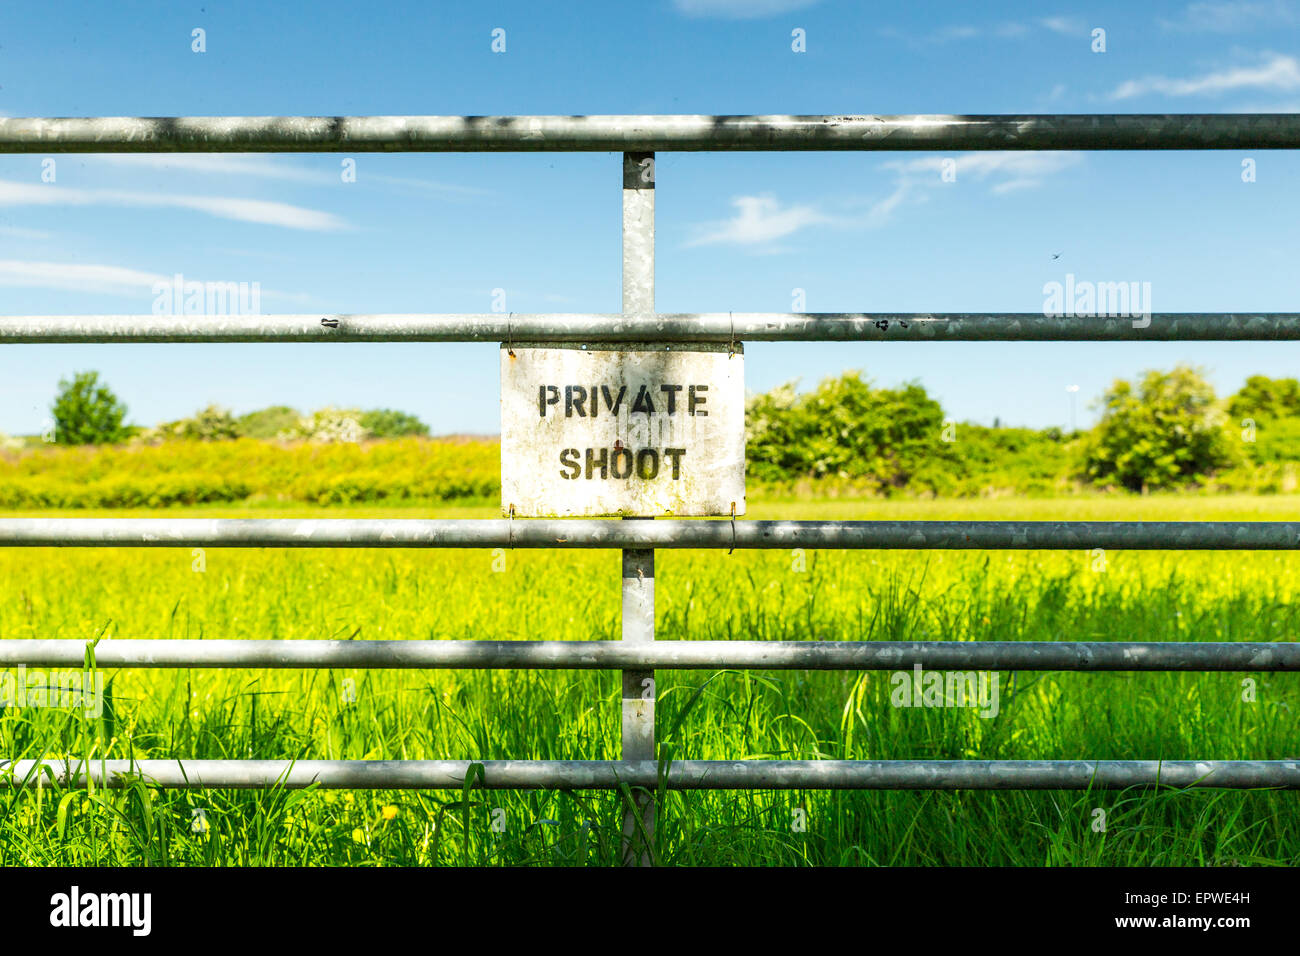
389 812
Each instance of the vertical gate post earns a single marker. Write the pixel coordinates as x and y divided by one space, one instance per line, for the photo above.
638 695
638 564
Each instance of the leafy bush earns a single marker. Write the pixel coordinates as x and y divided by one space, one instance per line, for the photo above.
213 423
87 413
328 425
1165 431
1000 460
196 472
268 423
884 438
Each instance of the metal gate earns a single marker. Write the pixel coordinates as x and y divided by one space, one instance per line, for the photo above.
638 138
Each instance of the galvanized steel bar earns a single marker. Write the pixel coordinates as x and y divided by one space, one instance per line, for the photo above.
638 236
679 775
638 685
663 533
638 564
646 656
429 134
705 327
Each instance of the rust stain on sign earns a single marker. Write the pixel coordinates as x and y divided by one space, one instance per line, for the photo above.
645 430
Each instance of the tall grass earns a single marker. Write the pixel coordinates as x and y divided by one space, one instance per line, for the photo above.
574 595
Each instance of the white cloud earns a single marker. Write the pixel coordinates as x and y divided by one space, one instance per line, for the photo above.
258 211
95 277
1276 72
266 167
247 210
1011 29
1283 106
1232 16
79 277
428 186
18 232
1066 26
955 33
739 9
222 164
759 220
917 180
1014 185
1004 171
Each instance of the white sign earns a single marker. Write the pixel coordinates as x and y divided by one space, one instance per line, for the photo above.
595 430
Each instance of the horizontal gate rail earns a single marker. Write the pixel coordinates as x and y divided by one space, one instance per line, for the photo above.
663 655
714 327
679 775
433 134
664 533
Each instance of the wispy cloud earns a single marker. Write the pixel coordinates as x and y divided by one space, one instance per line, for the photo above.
79 277
1283 106
1004 171
1066 26
242 165
1275 72
1006 30
759 221
95 277
427 186
258 211
220 164
739 9
1232 16
18 232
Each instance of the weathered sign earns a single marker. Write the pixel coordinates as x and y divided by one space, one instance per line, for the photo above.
622 430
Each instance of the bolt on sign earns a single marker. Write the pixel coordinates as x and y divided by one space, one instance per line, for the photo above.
646 430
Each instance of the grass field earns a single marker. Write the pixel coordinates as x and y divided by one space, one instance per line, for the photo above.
569 714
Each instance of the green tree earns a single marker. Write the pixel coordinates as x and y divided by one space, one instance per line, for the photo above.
1264 398
846 428
1166 430
388 423
87 413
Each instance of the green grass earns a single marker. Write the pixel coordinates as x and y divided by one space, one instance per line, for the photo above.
358 594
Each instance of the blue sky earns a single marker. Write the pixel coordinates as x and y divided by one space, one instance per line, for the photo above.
738 231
